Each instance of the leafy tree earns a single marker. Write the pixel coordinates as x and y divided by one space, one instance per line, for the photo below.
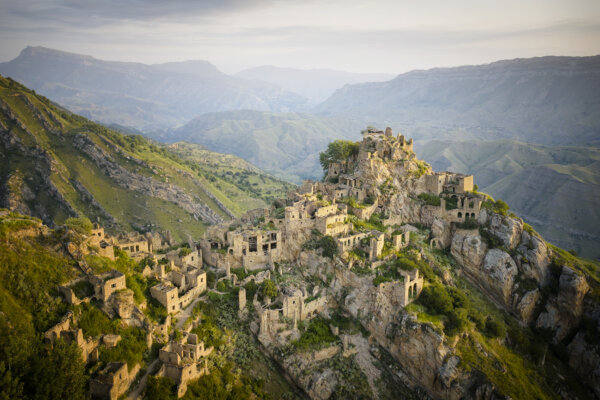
10 387
160 388
329 246
494 328
436 298
338 150
81 225
457 321
269 289
94 322
58 373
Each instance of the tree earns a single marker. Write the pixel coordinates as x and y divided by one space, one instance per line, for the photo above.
79 225
269 289
59 373
329 246
160 388
10 387
436 298
338 150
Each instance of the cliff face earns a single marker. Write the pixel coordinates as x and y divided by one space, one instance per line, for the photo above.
502 257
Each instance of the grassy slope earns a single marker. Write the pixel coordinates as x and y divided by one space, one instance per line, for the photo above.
553 188
191 171
286 145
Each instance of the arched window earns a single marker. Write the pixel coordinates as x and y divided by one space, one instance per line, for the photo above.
459 214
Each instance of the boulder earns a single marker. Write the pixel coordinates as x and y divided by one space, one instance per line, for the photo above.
536 258
572 289
526 305
499 271
507 229
468 249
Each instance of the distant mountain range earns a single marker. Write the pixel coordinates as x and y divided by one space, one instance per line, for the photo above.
555 189
145 97
315 84
57 165
547 100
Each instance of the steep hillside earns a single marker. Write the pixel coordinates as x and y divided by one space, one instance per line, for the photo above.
315 84
146 97
555 189
56 165
286 145
548 100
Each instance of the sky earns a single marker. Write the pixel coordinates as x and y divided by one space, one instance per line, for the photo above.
392 36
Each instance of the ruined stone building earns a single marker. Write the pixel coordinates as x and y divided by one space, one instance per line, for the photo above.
102 242
184 361
179 288
63 330
107 284
112 382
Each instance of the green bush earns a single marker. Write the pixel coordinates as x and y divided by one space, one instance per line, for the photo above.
269 289
316 336
457 322
380 279
160 388
81 225
430 199
436 298
185 251
494 328
130 349
94 322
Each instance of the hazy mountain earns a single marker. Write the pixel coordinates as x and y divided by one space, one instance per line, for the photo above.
146 97
287 144
547 100
56 164
315 84
555 189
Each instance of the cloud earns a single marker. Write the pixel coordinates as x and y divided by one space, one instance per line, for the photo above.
101 12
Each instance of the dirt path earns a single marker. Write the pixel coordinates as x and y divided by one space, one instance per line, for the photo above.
137 392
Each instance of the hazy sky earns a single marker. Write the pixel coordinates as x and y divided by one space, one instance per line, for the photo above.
362 36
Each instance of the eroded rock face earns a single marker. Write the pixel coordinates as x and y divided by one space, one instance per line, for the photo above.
499 271
585 360
537 255
526 305
506 229
572 290
468 249
563 313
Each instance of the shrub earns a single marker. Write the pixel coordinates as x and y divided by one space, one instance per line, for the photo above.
430 199
185 251
436 298
457 322
494 328
80 225
380 279
316 336
269 289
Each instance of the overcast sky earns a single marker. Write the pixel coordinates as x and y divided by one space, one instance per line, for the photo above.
360 36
